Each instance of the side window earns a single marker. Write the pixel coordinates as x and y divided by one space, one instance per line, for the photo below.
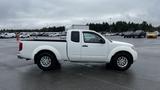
90 37
75 36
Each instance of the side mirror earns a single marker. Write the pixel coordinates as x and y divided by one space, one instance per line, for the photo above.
102 41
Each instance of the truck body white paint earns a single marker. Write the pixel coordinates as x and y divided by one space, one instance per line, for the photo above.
81 51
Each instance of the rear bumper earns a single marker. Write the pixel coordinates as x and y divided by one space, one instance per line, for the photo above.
21 57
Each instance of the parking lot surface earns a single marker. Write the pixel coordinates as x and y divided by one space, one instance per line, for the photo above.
16 74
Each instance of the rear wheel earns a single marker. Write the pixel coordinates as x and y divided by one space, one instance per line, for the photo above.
46 61
121 61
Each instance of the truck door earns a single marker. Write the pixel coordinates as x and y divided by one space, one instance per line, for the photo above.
94 47
74 46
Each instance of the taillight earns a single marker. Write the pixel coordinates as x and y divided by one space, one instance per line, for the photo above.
20 46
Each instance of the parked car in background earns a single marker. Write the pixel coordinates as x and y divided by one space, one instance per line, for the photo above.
1 35
63 35
107 34
34 34
24 36
54 35
159 34
121 34
152 35
117 34
136 34
7 35
45 34
128 34
139 34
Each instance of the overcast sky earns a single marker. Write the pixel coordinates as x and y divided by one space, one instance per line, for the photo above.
40 13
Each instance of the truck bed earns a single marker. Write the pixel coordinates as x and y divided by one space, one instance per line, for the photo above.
31 45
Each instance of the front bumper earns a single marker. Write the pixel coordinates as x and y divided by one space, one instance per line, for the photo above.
135 55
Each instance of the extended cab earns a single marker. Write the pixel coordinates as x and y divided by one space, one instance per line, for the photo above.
79 46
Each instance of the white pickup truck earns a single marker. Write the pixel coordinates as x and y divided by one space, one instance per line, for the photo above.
82 46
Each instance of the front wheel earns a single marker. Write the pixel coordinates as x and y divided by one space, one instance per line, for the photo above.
47 61
121 61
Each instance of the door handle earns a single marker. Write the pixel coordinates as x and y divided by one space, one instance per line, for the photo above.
84 45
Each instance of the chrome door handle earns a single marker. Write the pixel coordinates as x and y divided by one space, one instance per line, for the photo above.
84 45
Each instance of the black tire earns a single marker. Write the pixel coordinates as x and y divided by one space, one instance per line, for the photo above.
117 63
53 64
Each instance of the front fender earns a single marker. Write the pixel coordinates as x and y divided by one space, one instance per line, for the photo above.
47 47
123 48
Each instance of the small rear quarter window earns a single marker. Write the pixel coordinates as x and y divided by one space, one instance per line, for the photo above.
75 36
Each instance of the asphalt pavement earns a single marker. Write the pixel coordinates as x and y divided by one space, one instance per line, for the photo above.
144 74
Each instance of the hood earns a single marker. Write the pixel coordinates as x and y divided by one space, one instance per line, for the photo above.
122 43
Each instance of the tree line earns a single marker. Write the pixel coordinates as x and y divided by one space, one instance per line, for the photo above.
119 26
44 29
122 26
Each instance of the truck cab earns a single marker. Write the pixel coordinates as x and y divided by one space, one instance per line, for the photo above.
87 46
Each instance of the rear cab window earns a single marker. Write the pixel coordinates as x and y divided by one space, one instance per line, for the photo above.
75 37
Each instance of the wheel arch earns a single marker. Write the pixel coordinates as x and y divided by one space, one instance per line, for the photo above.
42 51
46 49
126 52
122 50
